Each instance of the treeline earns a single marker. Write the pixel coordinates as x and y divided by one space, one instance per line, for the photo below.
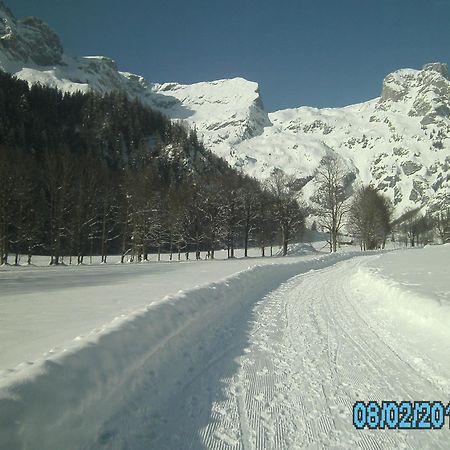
413 228
83 174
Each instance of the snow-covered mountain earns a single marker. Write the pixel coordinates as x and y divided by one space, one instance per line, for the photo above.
400 141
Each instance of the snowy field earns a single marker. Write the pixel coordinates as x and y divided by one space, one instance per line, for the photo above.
249 353
61 307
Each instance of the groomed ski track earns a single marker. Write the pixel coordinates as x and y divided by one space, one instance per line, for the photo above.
279 368
309 354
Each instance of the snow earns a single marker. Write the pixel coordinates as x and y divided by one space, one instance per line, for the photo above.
59 307
71 393
301 248
265 353
53 78
410 299
224 112
425 272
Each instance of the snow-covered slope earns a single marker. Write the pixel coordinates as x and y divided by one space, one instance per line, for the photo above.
225 112
400 142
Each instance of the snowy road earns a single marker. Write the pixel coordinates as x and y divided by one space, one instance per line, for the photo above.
287 374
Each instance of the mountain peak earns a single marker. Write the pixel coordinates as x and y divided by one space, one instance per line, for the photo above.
5 11
224 111
421 93
438 67
28 40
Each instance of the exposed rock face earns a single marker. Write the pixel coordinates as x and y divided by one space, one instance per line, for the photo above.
397 85
425 92
29 39
399 142
410 167
440 68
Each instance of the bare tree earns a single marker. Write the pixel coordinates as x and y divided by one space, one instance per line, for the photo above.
332 197
232 213
6 202
194 220
176 201
441 223
370 217
286 210
25 214
213 216
85 209
405 226
58 174
251 212
264 224
108 214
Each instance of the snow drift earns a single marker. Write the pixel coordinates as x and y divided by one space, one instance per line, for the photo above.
72 398
299 249
405 299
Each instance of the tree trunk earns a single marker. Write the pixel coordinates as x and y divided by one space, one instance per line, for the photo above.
246 236
103 239
124 244
285 236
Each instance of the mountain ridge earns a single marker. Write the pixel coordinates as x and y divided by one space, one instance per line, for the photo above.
399 142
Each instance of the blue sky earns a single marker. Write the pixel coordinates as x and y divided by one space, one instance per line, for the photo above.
304 52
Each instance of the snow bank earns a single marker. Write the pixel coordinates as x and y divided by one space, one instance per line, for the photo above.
69 400
408 301
405 296
298 249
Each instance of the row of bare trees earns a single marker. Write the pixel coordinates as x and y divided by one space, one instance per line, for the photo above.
413 228
207 214
71 207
